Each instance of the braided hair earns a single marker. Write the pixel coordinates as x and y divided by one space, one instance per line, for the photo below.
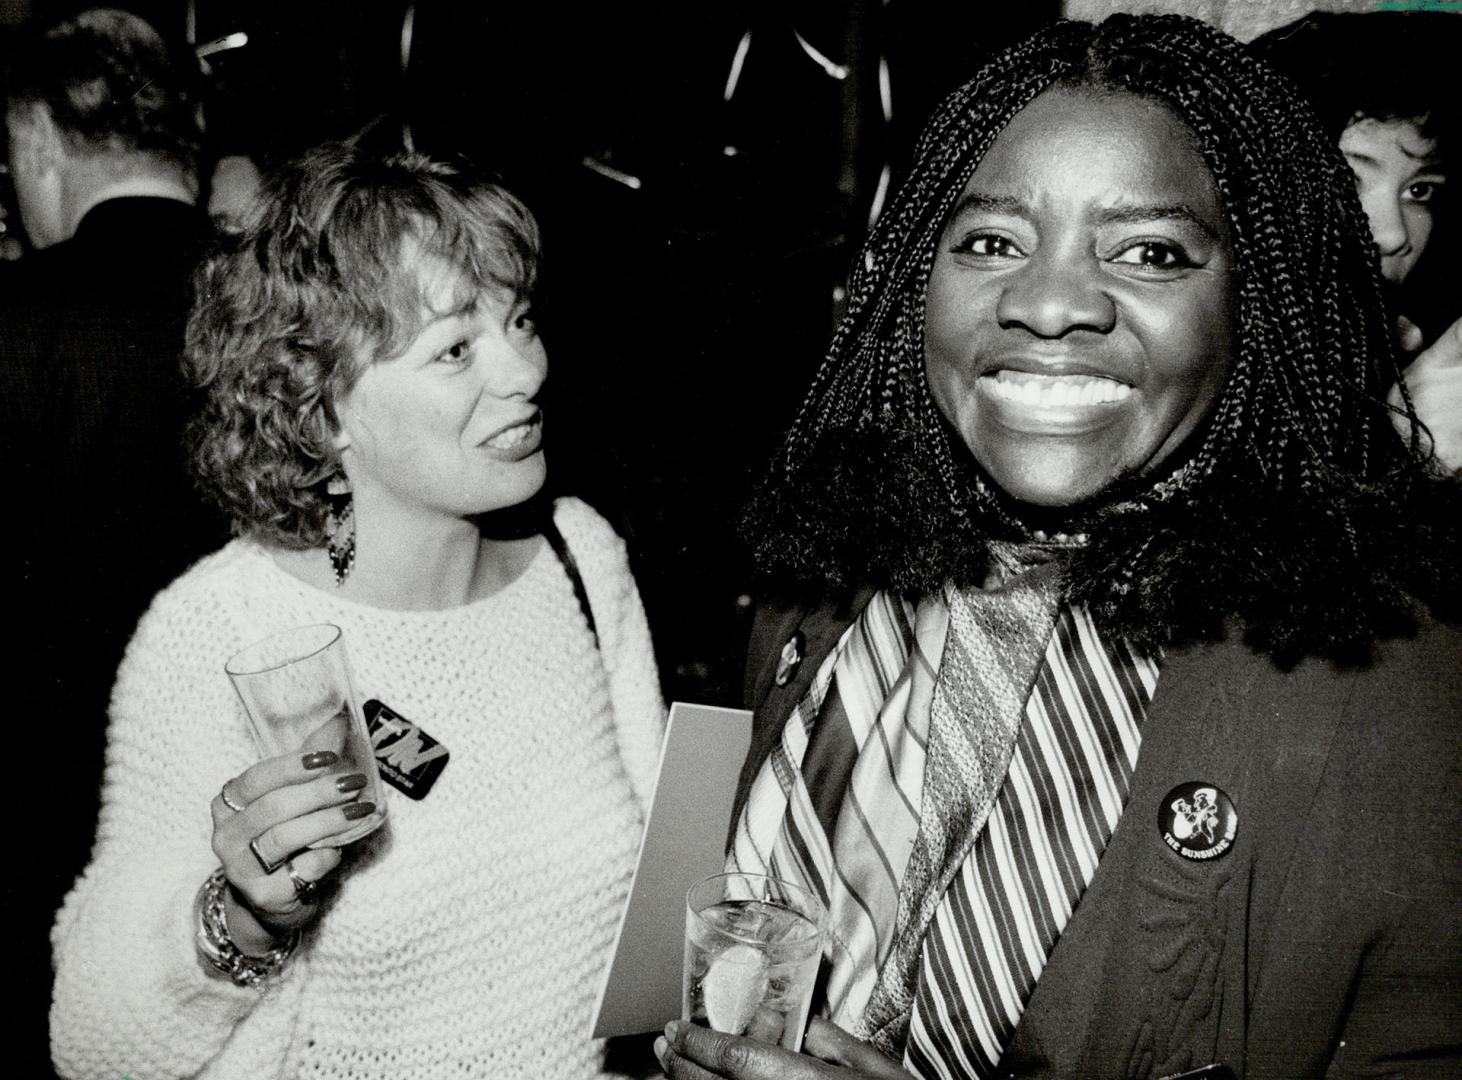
1295 510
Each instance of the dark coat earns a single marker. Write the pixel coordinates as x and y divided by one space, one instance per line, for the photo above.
103 514
91 335
104 510
1327 942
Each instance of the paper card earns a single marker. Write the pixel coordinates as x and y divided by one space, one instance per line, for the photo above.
684 841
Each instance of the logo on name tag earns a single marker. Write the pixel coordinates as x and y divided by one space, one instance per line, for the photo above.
410 760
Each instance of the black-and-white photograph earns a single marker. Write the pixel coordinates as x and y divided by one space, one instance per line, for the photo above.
859 540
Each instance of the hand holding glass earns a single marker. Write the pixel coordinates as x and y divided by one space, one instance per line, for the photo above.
297 690
752 946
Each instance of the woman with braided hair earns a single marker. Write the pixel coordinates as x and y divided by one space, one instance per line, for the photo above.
1108 688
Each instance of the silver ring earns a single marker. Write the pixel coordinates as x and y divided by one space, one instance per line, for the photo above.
267 866
223 794
305 889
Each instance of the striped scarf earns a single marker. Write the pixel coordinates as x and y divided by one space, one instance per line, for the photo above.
850 767
998 921
879 756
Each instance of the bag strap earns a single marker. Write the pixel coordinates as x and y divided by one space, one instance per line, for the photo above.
560 547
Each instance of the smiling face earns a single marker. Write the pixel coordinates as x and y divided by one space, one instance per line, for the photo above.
1078 324
449 427
1398 175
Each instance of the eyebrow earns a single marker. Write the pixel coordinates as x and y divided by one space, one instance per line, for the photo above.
437 318
990 204
1137 215
459 309
1116 215
1429 159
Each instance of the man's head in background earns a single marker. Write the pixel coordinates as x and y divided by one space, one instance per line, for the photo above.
97 107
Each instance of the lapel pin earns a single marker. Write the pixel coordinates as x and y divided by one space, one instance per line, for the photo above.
790 658
1198 820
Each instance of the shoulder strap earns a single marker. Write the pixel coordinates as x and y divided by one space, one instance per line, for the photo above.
560 547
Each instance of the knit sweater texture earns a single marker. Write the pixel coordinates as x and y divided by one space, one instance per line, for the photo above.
468 935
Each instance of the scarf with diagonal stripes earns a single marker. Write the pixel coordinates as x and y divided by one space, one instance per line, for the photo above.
880 786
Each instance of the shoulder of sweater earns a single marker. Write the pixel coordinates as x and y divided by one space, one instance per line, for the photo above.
196 596
180 636
217 571
572 512
592 540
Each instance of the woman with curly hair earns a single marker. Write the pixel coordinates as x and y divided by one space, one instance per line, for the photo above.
1104 690
372 372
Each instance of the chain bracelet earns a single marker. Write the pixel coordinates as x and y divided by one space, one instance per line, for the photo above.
217 948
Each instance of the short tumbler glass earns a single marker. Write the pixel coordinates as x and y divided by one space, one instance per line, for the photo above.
752 947
297 690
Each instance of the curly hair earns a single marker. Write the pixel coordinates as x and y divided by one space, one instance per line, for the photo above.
111 84
1296 510
289 312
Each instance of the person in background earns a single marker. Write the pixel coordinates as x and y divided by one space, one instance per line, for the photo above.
102 151
233 191
1399 124
372 425
11 247
1107 673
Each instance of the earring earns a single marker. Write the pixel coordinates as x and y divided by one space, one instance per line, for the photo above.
340 527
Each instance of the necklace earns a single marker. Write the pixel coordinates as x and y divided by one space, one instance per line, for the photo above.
1059 539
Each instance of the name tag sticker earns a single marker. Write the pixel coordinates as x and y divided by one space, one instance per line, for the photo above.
410 760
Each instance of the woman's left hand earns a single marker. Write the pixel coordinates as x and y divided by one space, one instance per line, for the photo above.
689 1052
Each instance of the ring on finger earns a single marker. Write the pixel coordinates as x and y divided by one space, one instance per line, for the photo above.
268 867
304 888
228 802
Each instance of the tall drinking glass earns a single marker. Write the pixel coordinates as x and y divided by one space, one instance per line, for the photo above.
752 946
298 692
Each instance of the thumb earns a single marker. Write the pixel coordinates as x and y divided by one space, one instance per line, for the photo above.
1408 335
832 1044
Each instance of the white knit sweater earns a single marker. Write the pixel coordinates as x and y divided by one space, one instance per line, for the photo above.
469 936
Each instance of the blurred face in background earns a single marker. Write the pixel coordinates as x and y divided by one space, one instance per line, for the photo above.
1398 174
1078 324
35 170
233 191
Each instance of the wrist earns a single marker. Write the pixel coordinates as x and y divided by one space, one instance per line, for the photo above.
219 917
246 929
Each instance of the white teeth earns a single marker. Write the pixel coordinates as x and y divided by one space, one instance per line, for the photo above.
513 436
1055 391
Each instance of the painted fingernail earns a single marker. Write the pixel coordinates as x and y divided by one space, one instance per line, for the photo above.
661 1046
353 782
357 810
319 759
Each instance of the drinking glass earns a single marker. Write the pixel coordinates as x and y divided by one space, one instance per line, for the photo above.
297 690
752 946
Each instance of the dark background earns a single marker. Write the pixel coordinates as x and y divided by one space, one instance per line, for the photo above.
684 316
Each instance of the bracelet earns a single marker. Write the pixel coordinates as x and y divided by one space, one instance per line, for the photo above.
217 948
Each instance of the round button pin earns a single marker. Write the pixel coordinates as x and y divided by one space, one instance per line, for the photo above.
1198 820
